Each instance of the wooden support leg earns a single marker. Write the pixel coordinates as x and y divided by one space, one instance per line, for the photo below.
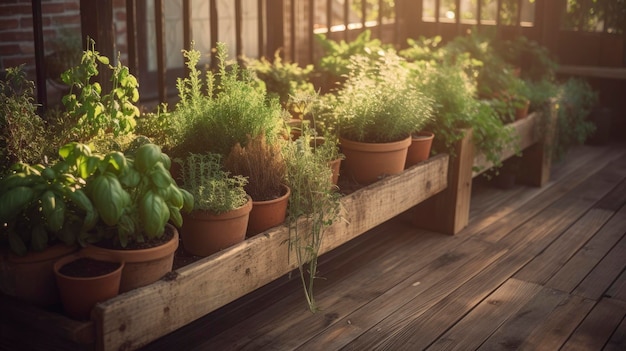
537 159
448 211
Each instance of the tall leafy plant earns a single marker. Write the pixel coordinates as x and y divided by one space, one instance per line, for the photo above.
313 206
94 111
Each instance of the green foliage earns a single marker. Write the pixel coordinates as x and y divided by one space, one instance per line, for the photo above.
337 55
233 110
93 111
23 135
575 101
313 206
534 60
41 204
212 188
281 79
379 103
134 195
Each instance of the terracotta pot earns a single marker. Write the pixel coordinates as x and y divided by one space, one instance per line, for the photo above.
522 112
80 294
335 166
143 266
419 150
30 277
204 233
366 163
268 214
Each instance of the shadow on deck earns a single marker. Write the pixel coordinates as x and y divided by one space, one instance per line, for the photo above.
537 268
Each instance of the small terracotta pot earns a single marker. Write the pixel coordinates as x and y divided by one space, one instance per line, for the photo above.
143 266
335 166
366 163
268 214
522 112
419 150
204 233
30 278
80 294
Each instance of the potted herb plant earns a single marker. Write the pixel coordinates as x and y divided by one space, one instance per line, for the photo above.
221 205
84 280
377 110
135 197
44 210
264 167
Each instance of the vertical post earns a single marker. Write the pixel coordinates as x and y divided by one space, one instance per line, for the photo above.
131 36
238 30
40 64
275 28
96 20
187 25
448 211
261 29
550 13
160 50
214 31
537 159
311 36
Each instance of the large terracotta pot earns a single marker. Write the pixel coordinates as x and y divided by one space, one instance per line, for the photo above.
143 266
268 214
419 150
204 233
80 294
30 277
366 163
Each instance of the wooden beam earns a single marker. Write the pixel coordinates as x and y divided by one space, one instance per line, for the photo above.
139 316
448 211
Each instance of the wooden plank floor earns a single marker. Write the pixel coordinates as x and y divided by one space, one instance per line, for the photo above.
537 268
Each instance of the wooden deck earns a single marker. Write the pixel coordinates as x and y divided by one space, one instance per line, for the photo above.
537 268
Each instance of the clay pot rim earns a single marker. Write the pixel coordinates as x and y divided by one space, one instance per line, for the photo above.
278 199
141 255
95 256
209 215
422 136
376 147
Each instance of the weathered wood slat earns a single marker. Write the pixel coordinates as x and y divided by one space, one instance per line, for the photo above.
478 325
513 332
617 342
605 272
414 295
137 317
596 329
577 268
550 334
380 269
548 262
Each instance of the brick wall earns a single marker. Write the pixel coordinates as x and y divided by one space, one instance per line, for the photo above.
16 29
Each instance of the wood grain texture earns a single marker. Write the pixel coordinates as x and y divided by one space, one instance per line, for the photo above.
597 327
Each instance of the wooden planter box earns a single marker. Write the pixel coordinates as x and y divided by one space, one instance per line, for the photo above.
142 315
448 212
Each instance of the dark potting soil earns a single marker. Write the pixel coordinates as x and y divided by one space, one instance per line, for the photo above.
114 245
87 267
